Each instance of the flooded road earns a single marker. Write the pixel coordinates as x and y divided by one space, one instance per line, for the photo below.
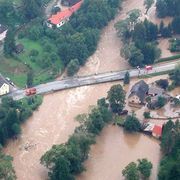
114 149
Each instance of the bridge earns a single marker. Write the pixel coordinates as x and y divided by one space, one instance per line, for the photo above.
74 82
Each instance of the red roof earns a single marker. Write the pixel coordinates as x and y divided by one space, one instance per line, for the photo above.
57 18
157 130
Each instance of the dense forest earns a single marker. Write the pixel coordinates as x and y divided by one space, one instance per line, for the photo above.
168 8
170 145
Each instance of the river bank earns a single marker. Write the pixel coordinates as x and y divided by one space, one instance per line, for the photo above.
54 122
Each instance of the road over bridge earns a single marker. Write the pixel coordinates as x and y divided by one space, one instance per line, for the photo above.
91 79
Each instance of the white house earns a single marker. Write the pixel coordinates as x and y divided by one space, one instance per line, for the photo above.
4 86
62 17
3 31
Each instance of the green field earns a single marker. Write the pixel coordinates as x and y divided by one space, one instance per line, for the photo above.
16 68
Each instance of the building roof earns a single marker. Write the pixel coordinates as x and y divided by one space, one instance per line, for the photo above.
140 89
57 18
178 97
2 28
19 48
149 127
157 130
155 90
2 81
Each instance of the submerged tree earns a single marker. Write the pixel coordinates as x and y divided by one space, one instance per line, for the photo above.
116 97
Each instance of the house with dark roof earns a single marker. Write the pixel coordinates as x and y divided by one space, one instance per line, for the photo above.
4 86
19 48
138 93
62 17
3 31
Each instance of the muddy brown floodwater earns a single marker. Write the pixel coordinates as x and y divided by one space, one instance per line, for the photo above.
115 149
54 121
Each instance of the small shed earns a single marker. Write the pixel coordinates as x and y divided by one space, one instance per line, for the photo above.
157 131
19 48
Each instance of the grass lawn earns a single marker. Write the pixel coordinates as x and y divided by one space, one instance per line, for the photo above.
16 69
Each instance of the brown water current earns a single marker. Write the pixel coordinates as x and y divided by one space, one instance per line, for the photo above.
54 121
114 149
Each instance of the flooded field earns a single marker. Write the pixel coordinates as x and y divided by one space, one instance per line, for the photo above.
114 150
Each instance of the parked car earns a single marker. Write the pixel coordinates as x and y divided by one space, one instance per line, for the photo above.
30 91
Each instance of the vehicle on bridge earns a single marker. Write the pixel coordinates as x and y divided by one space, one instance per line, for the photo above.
148 68
30 91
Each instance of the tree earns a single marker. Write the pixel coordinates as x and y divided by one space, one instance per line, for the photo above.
6 168
131 171
126 78
161 101
61 170
161 27
148 4
134 15
163 83
167 141
147 115
9 42
116 97
73 67
31 8
132 124
176 25
175 76
30 77
136 57
145 167
150 52
167 8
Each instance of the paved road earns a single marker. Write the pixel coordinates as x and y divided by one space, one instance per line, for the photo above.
89 80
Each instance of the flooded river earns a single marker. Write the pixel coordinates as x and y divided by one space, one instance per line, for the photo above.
54 121
115 149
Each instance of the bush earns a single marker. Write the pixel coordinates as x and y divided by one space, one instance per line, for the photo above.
161 101
73 67
163 83
132 124
34 53
147 115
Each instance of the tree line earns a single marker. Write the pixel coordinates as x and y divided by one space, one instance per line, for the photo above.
64 161
140 38
13 113
74 42
170 145
168 8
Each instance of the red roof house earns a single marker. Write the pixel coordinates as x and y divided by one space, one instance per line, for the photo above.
60 18
157 131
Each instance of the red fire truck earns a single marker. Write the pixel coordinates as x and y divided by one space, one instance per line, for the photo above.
30 91
148 68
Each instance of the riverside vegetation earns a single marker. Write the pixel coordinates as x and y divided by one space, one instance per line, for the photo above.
48 51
